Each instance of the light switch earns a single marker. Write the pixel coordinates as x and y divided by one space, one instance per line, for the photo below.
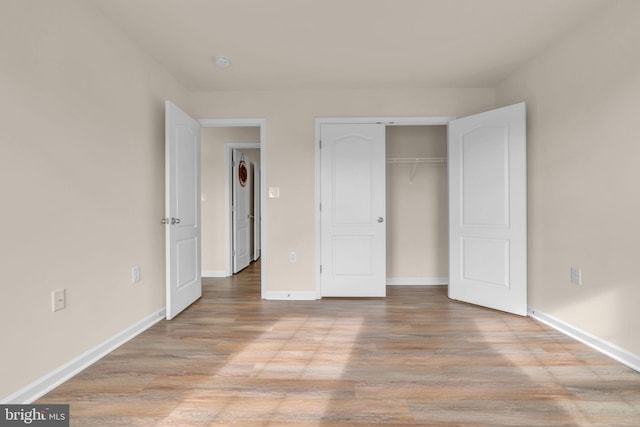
274 192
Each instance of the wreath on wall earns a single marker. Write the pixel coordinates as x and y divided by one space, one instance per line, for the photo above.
242 172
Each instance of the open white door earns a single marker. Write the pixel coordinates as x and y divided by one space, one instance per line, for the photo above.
352 195
182 216
256 212
241 215
488 209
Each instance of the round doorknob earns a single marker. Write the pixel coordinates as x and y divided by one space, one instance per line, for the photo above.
380 219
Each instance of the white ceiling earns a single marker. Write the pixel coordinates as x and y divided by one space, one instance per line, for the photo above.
344 44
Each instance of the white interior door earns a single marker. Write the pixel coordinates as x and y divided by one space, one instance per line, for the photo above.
182 214
488 209
256 212
352 192
241 214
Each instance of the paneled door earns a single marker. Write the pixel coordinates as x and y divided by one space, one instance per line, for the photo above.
182 212
241 216
488 209
352 227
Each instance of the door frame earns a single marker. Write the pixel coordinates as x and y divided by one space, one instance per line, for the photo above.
262 124
387 121
230 146
257 222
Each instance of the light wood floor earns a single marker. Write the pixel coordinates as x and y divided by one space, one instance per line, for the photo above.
412 359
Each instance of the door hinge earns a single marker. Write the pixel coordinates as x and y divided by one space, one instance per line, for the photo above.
320 207
320 268
234 253
320 144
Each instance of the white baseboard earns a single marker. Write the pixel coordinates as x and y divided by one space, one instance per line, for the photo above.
214 273
417 281
291 295
608 349
58 376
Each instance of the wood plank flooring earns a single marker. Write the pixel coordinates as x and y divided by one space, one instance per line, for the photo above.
413 359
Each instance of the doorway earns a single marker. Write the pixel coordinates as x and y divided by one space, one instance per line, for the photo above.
243 205
183 202
350 132
487 202
417 205
219 138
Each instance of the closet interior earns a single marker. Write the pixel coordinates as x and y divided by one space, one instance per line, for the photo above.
417 205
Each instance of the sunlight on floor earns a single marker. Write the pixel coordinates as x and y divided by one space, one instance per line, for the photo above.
549 366
293 349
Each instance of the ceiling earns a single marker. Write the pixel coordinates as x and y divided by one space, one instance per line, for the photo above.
344 44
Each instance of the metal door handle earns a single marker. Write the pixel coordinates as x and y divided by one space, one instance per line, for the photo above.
164 221
175 220
380 219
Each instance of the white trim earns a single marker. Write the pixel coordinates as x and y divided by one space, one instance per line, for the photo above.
608 349
58 376
417 281
212 123
389 121
214 273
262 124
230 146
318 258
292 295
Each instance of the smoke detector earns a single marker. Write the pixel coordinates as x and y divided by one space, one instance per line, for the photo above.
222 61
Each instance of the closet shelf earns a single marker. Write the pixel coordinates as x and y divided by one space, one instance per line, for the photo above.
416 160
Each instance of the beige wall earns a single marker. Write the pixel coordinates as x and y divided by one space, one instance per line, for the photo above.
290 155
214 226
81 177
417 214
583 98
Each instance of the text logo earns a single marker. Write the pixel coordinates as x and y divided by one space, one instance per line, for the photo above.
34 415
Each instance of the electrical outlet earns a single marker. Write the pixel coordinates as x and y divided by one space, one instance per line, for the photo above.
58 300
293 256
576 275
135 274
